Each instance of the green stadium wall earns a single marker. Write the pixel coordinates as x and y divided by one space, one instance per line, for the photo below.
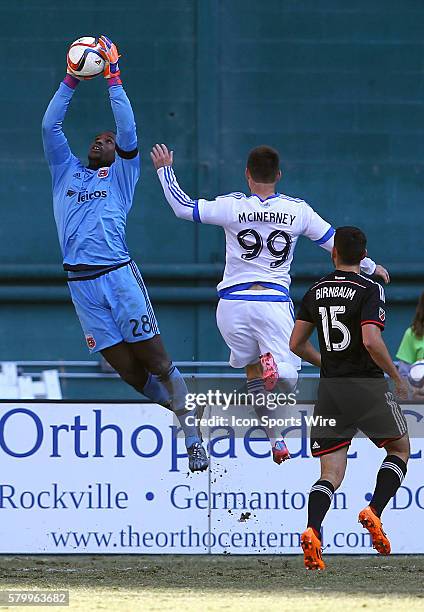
335 85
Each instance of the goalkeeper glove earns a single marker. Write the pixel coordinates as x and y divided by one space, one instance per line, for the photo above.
109 52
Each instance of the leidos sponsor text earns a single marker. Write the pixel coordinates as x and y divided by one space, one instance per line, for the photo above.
84 196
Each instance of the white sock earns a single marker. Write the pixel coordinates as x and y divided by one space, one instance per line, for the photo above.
287 374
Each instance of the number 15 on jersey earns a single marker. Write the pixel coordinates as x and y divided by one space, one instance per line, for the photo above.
330 321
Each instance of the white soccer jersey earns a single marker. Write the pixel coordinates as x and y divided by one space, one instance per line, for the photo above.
261 235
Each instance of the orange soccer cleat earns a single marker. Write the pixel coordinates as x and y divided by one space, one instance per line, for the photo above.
371 521
311 546
270 371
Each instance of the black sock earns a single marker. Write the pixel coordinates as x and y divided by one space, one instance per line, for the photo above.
389 479
319 503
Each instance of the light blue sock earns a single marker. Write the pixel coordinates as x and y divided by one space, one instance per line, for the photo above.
177 389
156 391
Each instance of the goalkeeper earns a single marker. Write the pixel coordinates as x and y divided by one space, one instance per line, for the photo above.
91 204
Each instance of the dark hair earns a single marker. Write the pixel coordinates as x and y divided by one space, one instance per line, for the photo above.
351 244
418 322
263 164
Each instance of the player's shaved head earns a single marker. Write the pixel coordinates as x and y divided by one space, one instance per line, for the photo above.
263 164
350 244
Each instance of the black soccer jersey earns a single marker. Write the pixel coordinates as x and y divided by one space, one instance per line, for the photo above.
339 304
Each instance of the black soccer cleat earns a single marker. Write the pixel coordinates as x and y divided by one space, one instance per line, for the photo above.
197 458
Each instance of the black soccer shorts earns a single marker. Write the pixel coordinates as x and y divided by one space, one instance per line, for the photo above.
365 405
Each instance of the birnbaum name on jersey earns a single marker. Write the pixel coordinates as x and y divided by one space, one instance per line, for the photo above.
266 216
335 292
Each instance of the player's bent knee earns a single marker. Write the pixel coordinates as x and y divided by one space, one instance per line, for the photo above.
336 478
254 370
133 377
333 474
400 447
161 368
129 377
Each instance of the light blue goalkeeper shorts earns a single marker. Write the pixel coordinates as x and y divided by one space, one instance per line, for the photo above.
113 307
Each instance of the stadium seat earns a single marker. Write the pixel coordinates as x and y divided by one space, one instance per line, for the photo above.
14 385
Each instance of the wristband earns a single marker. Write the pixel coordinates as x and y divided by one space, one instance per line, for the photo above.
114 81
71 81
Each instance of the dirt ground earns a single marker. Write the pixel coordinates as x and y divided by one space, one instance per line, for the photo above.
221 583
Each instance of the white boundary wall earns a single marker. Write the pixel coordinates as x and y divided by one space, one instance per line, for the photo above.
68 485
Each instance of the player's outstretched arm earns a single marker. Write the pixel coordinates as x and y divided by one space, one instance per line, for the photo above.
182 205
126 134
375 345
300 344
56 147
211 212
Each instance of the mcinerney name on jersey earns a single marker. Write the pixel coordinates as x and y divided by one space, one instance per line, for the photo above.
266 216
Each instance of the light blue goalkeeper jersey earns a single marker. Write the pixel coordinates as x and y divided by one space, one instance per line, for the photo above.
91 206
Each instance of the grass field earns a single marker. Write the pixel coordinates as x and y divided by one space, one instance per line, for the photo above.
267 583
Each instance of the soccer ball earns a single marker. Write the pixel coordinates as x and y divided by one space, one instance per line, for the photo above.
84 59
416 374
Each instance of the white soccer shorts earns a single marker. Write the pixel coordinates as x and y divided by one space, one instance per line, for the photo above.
251 328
